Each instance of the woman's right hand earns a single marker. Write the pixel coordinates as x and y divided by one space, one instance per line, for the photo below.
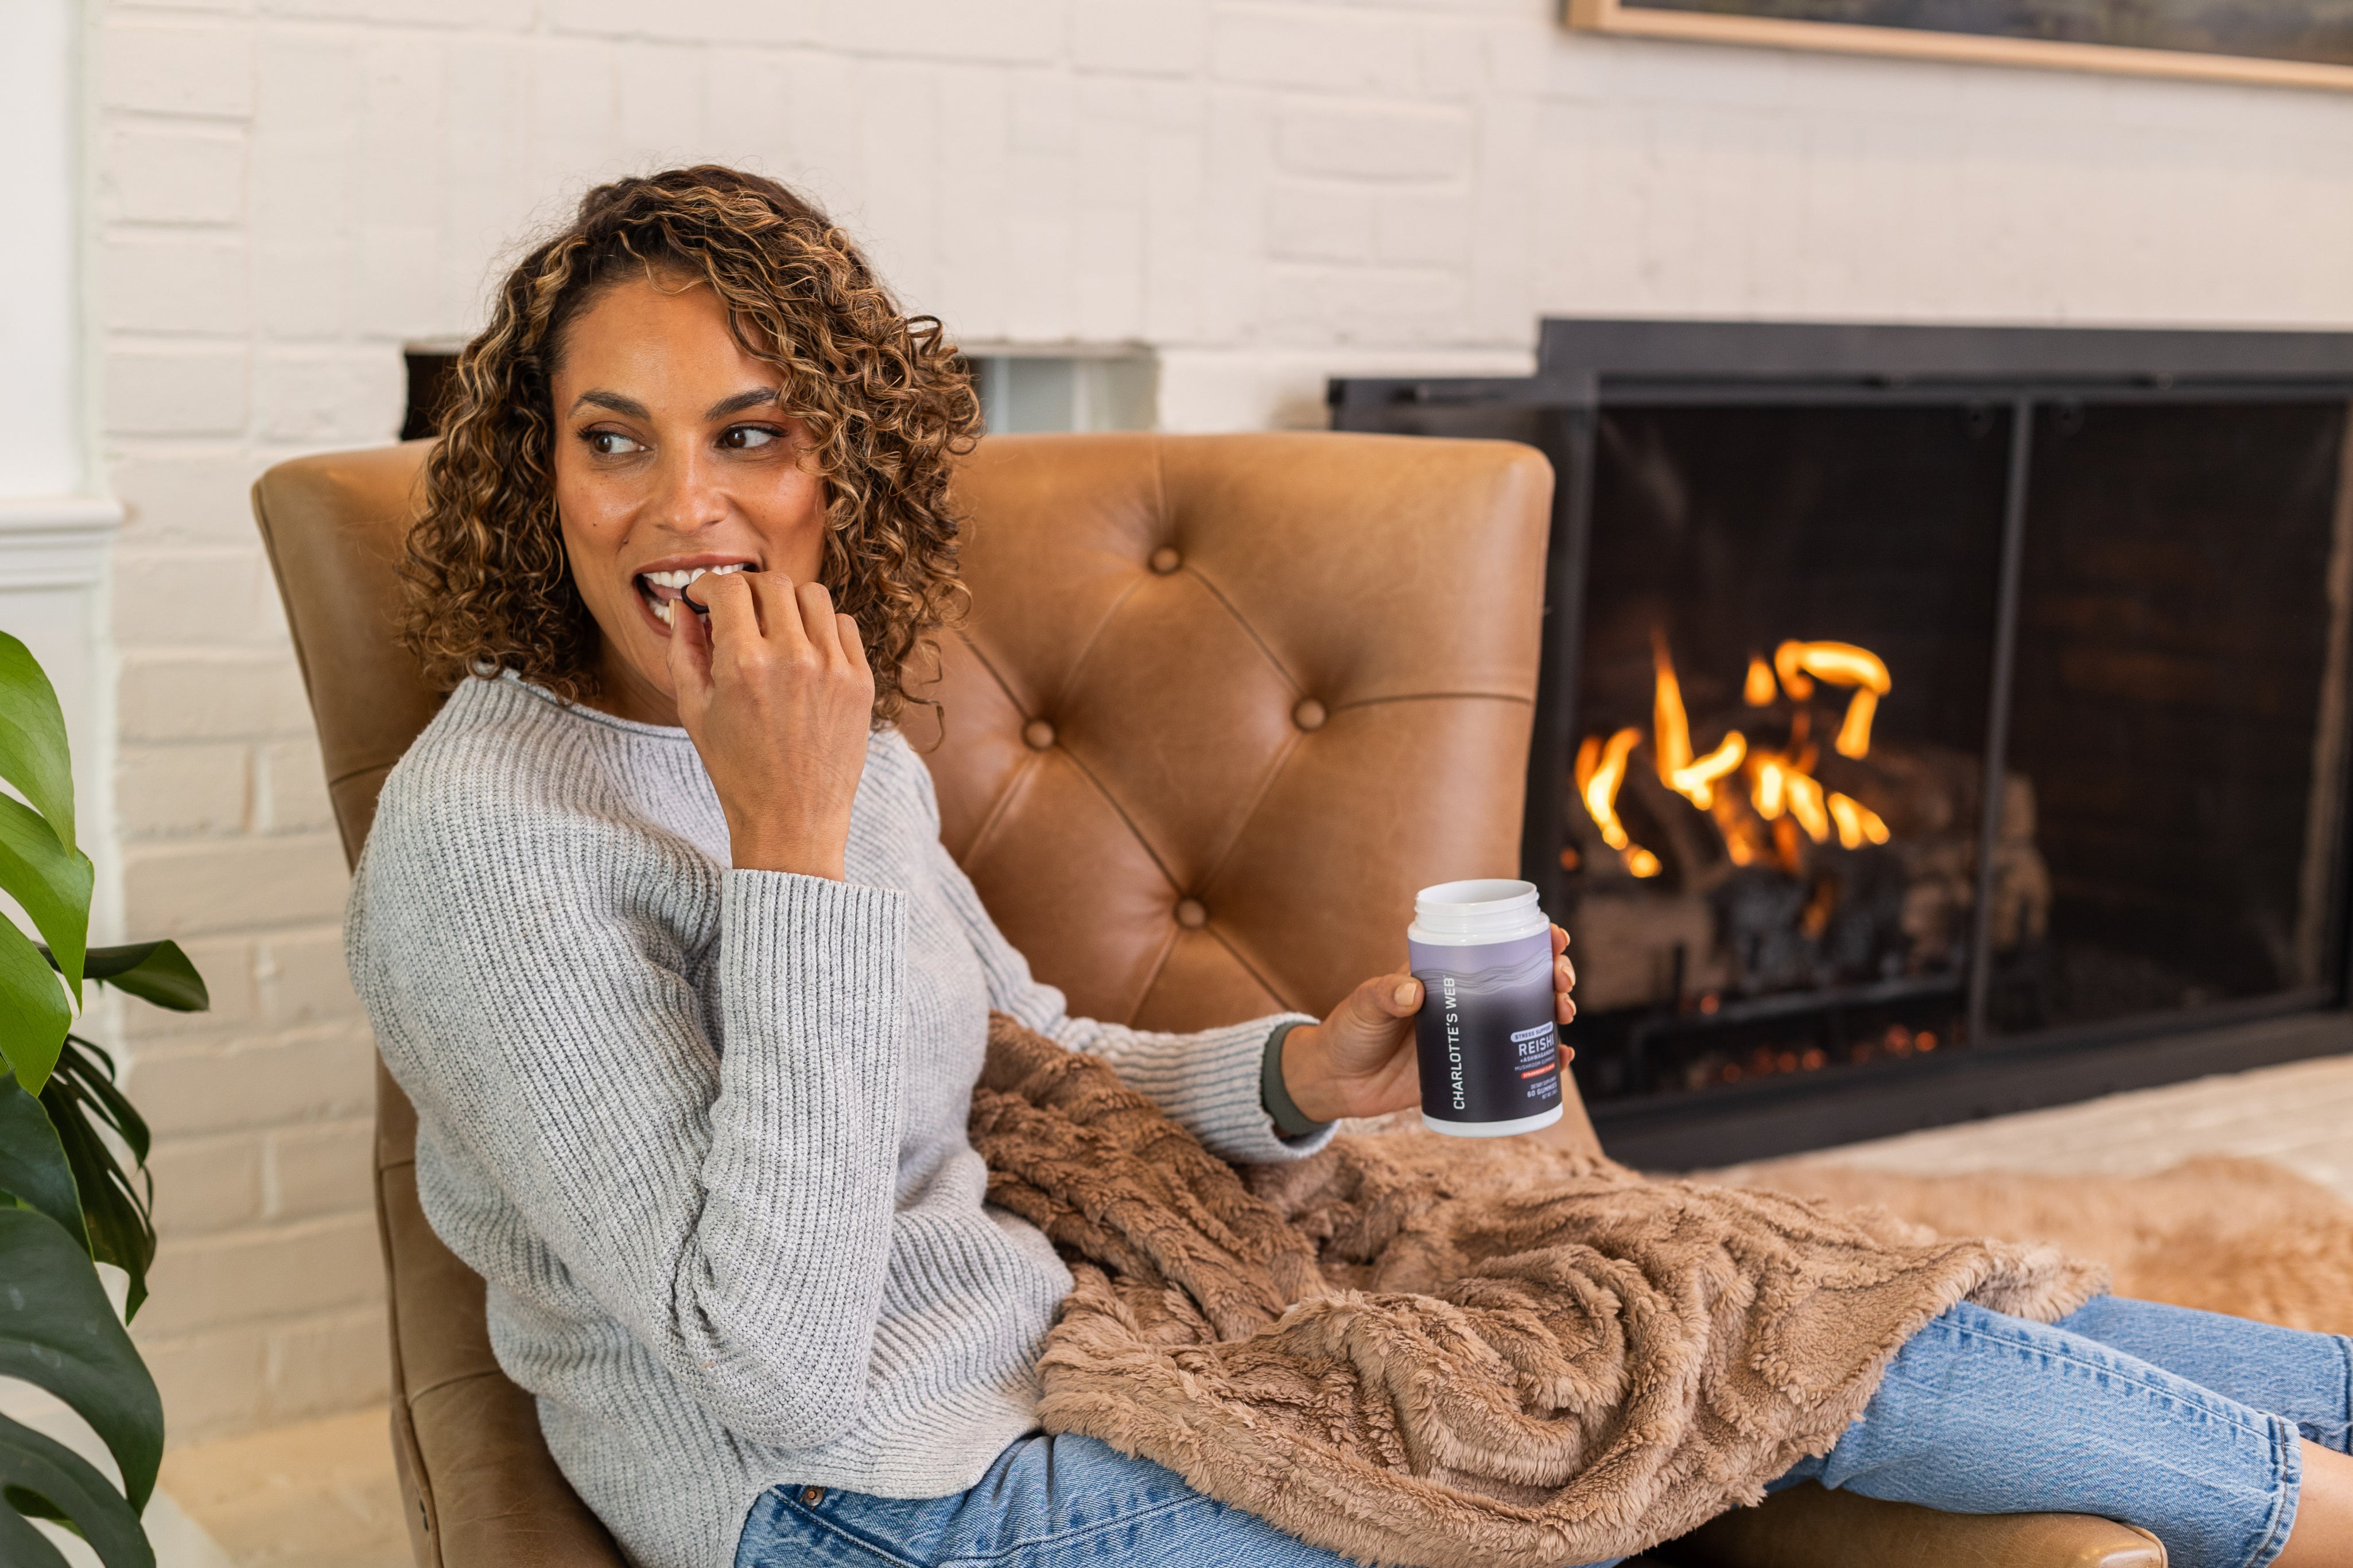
776 693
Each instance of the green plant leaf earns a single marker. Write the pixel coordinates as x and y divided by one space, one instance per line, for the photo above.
93 1070
34 1013
155 972
57 1330
33 1168
116 1209
42 1477
50 880
22 1546
33 754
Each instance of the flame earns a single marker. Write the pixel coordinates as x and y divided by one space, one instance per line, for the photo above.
1692 778
1600 770
1790 797
1787 665
1696 782
1857 823
1742 840
1671 732
1854 735
1787 799
1770 791
1806 805
1840 664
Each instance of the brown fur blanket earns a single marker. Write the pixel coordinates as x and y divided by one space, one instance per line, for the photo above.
1419 1350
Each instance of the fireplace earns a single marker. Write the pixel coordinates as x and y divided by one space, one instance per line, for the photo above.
1934 721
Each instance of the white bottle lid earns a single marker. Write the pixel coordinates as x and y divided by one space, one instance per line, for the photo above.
1454 914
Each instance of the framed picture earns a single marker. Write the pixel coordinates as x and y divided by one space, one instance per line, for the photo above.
2293 43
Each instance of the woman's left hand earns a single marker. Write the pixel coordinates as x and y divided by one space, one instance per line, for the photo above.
1361 1060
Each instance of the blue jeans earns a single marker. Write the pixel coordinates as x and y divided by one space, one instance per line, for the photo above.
2183 1423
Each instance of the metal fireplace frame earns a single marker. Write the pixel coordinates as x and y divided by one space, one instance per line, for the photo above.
1585 366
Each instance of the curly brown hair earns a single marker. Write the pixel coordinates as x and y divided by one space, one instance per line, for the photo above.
884 396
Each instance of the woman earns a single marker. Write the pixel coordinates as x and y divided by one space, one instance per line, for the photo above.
655 926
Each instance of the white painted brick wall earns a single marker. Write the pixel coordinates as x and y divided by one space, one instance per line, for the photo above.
1268 193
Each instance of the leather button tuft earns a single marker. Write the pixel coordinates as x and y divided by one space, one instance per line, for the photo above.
1190 914
1166 560
1309 714
1039 734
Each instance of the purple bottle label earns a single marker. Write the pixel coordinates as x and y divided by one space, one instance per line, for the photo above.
1489 1051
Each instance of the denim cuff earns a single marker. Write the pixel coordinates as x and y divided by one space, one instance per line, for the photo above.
1288 1119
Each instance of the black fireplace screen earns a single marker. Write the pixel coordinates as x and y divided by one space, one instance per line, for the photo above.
1799 602
1899 713
2177 723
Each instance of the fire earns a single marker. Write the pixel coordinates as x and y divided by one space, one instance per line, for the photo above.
1600 770
1770 786
1854 735
1798 664
1742 840
1693 778
1786 797
1696 782
1671 732
1806 805
1857 823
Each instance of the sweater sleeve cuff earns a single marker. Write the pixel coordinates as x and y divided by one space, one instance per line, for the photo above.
811 961
1289 1120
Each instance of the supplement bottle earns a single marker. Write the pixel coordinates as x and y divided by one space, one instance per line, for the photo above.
1489 1053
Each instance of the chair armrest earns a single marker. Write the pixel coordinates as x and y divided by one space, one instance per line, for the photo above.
478 1486
498 1499
1811 1527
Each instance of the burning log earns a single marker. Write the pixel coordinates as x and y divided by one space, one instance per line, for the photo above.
1805 869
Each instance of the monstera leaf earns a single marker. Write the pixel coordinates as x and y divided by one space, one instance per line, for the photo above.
155 972
33 754
51 881
68 1201
46 1479
112 1216
58 1331
40 869
35 1011
33 1167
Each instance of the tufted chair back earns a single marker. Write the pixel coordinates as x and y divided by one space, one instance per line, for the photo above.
1222 703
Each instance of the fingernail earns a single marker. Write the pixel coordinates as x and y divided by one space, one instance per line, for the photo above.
1408 995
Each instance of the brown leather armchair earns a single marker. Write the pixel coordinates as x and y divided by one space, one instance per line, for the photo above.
1221 705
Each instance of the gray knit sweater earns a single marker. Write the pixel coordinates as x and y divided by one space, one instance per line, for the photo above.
702 1130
